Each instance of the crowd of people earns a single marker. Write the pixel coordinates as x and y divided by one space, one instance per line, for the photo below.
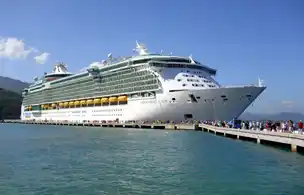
276 126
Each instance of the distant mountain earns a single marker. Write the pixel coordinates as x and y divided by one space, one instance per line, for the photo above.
12 84
278 116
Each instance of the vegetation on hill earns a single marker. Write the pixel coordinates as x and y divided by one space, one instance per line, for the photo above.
10 104
10 97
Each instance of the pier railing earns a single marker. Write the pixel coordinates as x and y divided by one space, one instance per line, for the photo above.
295 140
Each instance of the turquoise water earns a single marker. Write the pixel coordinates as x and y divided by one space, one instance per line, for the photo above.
73 160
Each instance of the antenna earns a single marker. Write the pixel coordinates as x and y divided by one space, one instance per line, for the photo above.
260 82
110 56
141 49
191 60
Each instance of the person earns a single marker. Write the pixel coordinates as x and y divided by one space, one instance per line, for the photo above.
258 125
300 126
230 124
282 126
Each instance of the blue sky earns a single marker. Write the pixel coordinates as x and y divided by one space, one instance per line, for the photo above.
243 39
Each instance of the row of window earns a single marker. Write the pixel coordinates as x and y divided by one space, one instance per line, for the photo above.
195 80
106 114
188 75
195 72
191 66
197 85
39 95
107 110
74 91
192 80
33 108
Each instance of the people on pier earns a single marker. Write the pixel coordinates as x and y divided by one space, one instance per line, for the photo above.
275 126
300 126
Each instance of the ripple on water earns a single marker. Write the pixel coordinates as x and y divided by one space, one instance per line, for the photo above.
63 160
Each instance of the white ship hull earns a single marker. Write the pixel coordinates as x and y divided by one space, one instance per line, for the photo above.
172 106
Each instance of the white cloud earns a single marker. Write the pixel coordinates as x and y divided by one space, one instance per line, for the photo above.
13 48
42 58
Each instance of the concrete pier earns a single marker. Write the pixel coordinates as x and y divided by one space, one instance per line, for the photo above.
169 126
294 141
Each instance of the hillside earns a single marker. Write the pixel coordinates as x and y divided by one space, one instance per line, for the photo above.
10 103
10 97
12 84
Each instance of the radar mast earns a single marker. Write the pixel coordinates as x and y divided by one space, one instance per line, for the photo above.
141 49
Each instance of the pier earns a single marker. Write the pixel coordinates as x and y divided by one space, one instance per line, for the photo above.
294 141
168 126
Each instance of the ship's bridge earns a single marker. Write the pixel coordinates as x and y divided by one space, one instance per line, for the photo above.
177 72
184 74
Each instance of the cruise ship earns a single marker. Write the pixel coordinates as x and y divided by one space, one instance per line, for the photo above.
143 87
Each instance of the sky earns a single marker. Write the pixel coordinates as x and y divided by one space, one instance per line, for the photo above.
242 39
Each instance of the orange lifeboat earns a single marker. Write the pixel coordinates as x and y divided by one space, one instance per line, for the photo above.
113 99
66 104
89 102
104 100
123 98
97 101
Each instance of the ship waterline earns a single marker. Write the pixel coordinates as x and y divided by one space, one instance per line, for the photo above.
144 87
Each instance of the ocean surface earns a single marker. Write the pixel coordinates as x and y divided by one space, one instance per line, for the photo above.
59 160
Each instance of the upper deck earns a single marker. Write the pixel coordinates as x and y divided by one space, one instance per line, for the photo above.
60 74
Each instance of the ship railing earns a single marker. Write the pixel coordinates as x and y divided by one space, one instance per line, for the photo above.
234 86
